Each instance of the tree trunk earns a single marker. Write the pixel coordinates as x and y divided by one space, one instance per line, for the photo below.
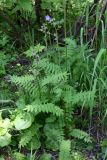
38 10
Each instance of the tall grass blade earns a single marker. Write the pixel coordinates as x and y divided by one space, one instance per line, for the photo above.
103 36
81 36
101 52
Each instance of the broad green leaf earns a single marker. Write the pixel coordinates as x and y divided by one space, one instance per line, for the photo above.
3 131
23 121
5 124
5 140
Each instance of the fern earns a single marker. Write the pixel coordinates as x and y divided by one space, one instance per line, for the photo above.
18 156
47 108
48 67
72 48
52 128
76 52
45 156
57 93
32 83
55 78
67 87
77 156
65 150
28 134
46 90
28 83
25 138
22 81
83 98
77 133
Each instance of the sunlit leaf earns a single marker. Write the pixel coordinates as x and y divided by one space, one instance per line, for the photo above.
5 140
23 121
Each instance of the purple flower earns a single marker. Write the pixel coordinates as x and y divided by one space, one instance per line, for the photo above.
48 18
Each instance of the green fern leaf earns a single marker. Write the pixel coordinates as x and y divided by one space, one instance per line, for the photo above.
28 134
77 133
86 98
65 150
48 67
22 81
55 78
45 108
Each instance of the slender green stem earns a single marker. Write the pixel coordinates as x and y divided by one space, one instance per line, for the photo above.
65 28
65 19
57 41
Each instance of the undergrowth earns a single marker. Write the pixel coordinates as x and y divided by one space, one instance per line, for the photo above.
53 80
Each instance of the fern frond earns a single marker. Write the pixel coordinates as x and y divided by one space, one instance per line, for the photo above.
27 82
54 135
47 66
46 108
77 133
72 51
65 148
28 134
18 156
86 98
57 92
25 138
23 81
82 98
55 78
67 87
